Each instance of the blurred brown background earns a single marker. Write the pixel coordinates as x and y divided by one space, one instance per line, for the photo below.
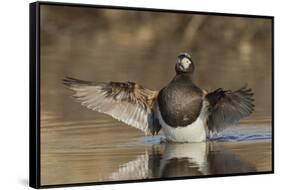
115 45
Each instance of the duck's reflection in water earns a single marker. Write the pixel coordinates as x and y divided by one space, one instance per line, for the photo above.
186 159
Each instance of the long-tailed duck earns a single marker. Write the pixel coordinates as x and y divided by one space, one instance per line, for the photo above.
185 112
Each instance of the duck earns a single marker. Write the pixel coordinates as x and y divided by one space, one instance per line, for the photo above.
181 109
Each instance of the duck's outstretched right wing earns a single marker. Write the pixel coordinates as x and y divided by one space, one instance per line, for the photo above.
125 101
228 107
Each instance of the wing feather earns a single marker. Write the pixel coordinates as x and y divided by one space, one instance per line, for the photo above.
127 102
228 107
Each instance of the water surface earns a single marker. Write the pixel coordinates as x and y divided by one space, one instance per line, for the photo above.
106 150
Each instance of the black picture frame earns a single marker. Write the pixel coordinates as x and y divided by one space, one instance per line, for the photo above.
34 97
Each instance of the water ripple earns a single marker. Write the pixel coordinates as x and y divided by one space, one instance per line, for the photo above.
244 133
233 134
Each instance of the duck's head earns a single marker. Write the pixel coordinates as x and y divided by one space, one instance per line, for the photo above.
184 64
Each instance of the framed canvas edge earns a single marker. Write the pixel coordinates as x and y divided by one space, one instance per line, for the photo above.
272 96
154 180
34 93
152 9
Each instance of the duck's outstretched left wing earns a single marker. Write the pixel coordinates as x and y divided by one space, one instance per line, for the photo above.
228 107
127 102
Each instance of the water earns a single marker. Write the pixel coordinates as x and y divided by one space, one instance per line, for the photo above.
106 150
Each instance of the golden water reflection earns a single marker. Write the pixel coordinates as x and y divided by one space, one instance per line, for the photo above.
97 150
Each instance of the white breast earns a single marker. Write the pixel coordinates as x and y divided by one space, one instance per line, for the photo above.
195 132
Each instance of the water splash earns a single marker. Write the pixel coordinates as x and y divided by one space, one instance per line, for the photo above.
234 134
151 139
244 133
